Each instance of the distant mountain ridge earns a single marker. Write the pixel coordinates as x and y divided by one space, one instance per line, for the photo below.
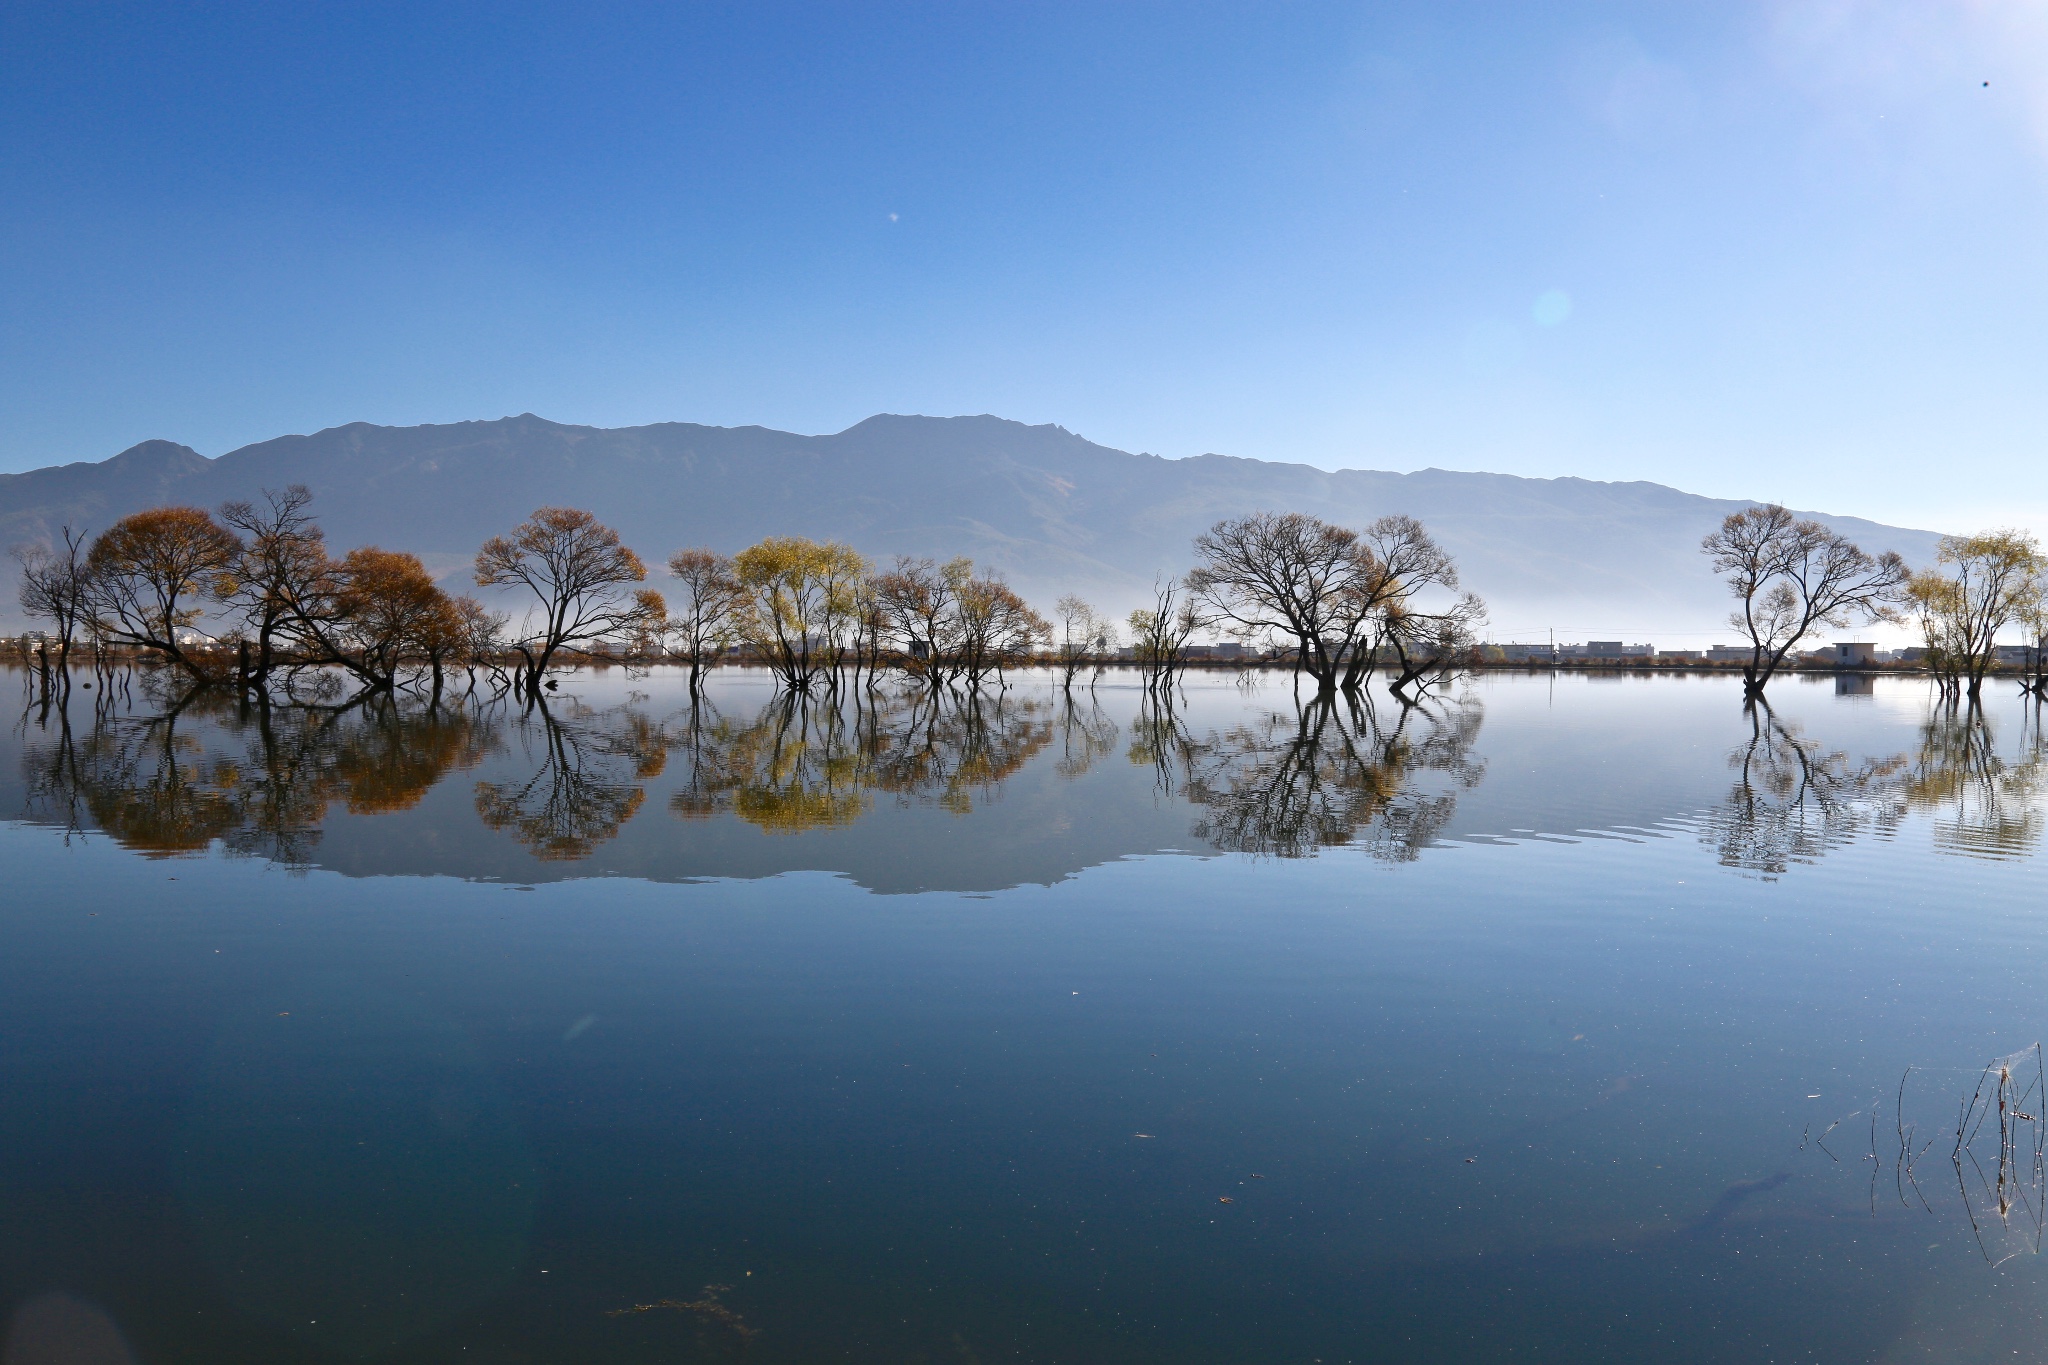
1052 510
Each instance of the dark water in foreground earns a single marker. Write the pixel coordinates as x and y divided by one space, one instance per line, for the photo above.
1577 1020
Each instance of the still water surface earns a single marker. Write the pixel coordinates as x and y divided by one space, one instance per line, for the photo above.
1575 1019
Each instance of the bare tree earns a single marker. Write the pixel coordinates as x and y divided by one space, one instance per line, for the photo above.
580 575
1160 632
919 601
1080 634
1793 577
282 577
55 588
1339 595
707 598
1289 575
998 629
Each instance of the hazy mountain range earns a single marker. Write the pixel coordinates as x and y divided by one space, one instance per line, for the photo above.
1053 511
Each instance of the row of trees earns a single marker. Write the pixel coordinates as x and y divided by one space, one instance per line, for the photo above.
817 615
147 581
1794 577
1337 601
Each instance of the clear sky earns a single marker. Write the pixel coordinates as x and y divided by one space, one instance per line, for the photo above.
1777 250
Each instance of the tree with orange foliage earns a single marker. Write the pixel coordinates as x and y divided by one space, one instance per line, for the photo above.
580 575
150 571
387 612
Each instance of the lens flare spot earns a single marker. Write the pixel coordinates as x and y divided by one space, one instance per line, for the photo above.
1552 307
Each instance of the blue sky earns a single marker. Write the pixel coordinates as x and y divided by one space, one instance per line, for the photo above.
1776 250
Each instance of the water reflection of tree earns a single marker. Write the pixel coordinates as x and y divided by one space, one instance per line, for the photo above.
1086 736
256 779
805 763
1793 800
1334 771
1983 805
585 785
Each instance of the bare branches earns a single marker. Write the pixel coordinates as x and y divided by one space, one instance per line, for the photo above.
579 574
1340 596
1793 577
708 599
1080 633
1285 574
56 587
1160 633
281 575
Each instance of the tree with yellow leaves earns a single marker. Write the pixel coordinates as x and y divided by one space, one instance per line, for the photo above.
802 601
1983 584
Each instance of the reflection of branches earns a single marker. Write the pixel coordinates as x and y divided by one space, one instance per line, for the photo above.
1085 737
1998 1150
258 780
1333 773
1985 806
578 797
1792 801
807 764
2005 1090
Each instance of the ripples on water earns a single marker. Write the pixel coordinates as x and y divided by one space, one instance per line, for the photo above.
1579 1017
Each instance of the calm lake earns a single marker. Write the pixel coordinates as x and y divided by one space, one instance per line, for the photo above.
1577 1019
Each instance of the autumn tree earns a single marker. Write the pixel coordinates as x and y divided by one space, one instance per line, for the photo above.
919 601
580 576
55 588
801 597
998 629
707 598
1792 577
1991 581
151 571
281 578
389 612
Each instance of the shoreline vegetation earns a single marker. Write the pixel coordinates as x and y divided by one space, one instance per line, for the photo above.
250 599
27 652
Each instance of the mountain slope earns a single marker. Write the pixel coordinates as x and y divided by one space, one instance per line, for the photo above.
1053 511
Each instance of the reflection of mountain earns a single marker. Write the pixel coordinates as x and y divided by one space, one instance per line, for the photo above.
1793 799
1330 772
